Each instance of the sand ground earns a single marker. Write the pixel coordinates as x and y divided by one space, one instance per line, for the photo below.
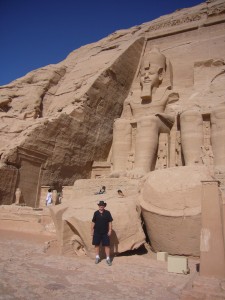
32 270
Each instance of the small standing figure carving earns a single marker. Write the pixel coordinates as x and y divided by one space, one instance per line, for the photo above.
162 159
207 155
18 195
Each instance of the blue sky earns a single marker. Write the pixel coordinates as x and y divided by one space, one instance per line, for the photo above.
36 33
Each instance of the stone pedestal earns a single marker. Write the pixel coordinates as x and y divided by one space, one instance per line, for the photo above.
171 207
177 264
54 197
212 257
162 256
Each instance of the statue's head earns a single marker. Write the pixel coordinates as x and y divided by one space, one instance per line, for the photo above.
153 70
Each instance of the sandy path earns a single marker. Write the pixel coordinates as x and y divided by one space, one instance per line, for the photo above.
29 272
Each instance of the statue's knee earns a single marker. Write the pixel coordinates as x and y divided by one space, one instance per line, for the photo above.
121 124
190 116
148 121
218 113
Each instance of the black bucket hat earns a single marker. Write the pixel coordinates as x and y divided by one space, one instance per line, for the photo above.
102 203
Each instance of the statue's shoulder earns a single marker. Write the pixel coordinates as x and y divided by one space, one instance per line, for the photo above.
172 96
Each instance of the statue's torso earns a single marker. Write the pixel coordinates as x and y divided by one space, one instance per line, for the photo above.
141 110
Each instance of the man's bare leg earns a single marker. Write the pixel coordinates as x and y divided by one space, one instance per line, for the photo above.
97 250
97 257
107 253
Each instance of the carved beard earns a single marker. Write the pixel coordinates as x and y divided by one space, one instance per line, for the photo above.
148 88
146 92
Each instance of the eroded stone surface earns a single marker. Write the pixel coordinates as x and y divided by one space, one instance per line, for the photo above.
73 219
29 272
65 112
172 212
57 122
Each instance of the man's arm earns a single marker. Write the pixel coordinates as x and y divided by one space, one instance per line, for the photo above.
92 228
110 228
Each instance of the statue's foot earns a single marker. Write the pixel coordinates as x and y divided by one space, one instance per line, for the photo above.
136 173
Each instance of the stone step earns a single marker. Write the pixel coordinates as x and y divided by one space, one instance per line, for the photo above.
86 187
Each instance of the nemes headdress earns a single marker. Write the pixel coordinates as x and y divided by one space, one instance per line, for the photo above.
156 57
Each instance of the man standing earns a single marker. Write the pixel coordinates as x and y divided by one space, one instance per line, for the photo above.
101 229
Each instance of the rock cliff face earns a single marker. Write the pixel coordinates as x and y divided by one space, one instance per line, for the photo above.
57 120
66 111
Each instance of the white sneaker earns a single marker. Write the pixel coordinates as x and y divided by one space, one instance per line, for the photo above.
108 261
97 260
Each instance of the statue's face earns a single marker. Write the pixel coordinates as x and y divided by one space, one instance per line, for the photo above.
151 75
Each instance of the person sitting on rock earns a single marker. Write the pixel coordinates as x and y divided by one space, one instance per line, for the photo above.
102 190
120 194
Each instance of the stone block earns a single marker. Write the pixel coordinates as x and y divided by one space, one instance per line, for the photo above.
162 256
177 264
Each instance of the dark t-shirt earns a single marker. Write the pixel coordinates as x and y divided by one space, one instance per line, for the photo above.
102 221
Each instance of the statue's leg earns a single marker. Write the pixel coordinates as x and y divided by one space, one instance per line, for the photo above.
218 138
191 136
121 145
146 144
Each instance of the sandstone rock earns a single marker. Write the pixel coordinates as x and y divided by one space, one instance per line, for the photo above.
73 219
57 123
172 212
77 103
64 113
25 219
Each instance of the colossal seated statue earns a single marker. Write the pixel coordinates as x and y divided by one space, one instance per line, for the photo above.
192 138
147 112
203 126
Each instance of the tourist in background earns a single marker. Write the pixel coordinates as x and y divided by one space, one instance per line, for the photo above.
49 197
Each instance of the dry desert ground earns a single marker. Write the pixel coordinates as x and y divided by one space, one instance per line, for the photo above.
31 269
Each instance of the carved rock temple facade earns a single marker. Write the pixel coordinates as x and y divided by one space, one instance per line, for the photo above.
144 106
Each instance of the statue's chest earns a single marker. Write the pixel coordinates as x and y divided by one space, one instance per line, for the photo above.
140 109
